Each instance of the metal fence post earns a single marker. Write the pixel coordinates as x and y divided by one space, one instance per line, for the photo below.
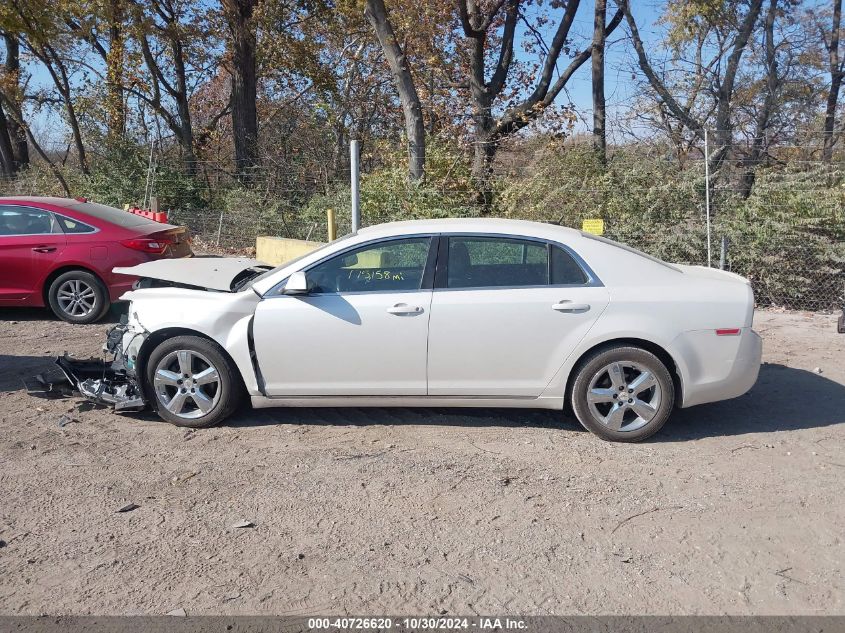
723 257
220 227
707 193
355 177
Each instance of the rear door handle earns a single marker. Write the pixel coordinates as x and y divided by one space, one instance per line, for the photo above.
44 249
404 308
568 306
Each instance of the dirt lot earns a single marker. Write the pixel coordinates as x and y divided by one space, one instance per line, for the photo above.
734 508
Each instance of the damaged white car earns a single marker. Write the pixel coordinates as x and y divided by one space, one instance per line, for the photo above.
465 313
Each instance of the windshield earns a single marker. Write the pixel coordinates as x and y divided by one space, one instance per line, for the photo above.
294 260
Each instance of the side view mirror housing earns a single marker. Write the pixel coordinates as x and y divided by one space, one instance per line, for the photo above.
297 284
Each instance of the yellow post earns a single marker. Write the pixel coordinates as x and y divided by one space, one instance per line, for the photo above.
332 224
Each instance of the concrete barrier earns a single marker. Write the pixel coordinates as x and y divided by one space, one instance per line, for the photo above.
278 250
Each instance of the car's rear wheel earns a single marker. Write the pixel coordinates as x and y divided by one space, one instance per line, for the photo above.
78 296
190 382
623 393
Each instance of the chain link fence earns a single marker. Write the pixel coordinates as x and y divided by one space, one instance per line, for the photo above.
786 235
785 232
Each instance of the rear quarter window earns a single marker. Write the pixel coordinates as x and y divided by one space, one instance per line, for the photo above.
69 225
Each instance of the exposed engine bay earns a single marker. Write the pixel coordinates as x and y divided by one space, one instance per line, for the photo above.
109 382
113 380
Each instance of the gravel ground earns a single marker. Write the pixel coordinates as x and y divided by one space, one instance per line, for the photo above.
734 508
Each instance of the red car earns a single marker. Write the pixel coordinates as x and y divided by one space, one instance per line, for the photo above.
60 253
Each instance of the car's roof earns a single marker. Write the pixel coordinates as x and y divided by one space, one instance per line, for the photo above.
58 202
471 225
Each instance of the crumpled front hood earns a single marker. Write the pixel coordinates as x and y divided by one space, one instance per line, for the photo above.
212 273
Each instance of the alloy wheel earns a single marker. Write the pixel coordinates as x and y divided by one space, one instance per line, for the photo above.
624 396
187 384
76 298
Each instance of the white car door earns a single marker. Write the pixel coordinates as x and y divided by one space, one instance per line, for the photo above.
361 330
505 314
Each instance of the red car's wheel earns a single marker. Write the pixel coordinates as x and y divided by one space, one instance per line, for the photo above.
78 297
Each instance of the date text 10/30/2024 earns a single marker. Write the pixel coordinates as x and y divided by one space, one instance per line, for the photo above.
417 623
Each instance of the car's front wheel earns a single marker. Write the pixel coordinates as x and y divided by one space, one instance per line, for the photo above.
190 382
623 393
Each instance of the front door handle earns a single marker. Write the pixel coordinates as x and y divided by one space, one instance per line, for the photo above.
567 306
44 249
404 308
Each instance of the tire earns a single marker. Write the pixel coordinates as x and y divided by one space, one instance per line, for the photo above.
211 402
78 296
596 393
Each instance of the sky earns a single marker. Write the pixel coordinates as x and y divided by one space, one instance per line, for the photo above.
50 128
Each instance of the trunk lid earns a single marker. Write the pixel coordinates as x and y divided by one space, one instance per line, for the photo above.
703 272
177 237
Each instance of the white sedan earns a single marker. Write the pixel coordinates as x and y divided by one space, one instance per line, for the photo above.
458 313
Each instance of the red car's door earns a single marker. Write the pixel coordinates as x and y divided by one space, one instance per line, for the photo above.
30 243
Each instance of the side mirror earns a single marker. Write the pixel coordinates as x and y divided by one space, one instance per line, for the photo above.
297 284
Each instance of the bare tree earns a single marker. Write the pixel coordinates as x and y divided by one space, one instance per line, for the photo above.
166 60
40 37
835 64
479 29
773 82
14 112
376 14
722 85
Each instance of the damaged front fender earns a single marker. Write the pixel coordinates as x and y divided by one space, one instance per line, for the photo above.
112 382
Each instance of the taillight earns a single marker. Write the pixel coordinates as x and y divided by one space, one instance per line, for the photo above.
147 245
728 331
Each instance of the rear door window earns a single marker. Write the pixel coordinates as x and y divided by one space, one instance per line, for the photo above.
488 262
27 221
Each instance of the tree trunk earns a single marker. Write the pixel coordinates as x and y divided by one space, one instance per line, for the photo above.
480 29
764 115
244 84
115 107
17 135
486 145
725 90
7 156
376 14
599 112
186 130
835 82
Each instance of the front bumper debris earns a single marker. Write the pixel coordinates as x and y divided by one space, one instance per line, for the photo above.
105 382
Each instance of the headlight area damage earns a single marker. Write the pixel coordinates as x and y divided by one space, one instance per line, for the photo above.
106 382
